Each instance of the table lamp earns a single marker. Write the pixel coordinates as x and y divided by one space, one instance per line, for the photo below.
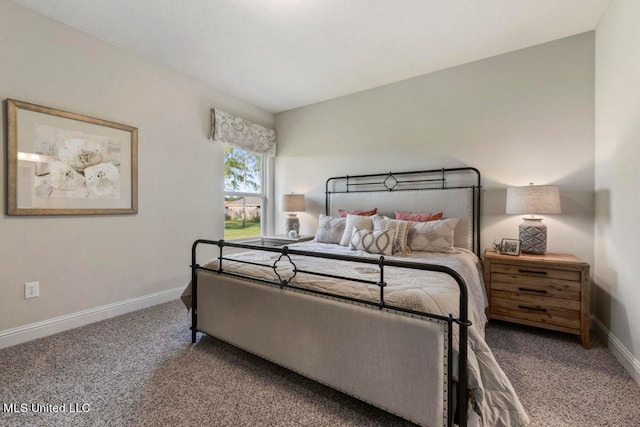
533 199
292 203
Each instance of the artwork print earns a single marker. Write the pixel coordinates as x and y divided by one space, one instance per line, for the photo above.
76 164
62 163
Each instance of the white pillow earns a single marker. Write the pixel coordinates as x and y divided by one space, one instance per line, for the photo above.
401 229
355 221
330 229
374 242
433 236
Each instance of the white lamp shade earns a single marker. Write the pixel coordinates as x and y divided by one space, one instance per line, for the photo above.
533 199
292 203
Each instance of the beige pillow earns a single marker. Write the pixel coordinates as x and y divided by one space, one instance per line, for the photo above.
374 242
433 236
401 229
330 229
354 221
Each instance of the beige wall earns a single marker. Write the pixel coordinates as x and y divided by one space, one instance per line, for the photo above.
91 261
526 116
617 177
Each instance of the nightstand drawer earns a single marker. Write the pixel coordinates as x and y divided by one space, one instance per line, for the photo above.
548 273
550 311
535 300
542 286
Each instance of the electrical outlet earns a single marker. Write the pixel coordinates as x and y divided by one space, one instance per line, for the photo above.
31 289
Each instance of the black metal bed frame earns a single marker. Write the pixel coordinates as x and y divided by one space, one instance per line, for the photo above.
463 320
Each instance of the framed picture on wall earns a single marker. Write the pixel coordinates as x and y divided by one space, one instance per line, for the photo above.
62 163
510 247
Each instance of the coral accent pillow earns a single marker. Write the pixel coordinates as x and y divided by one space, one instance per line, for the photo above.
344 212
418 217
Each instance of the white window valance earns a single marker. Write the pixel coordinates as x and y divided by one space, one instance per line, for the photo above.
241 133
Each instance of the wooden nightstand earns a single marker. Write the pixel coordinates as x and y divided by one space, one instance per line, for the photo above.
283 239
549 291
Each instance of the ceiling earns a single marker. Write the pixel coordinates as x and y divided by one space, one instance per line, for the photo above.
283 54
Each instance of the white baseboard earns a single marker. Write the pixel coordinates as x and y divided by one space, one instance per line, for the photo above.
624 356
48 327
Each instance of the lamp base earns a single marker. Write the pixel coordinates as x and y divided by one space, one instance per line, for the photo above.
292 223
533 236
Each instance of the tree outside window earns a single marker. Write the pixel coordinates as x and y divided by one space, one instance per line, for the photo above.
243 193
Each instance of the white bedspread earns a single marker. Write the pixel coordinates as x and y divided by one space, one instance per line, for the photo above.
491 395
414 289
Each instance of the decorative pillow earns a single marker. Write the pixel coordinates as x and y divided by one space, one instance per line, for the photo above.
330 229
401 229
433 236
418 217
374 242
344 212
353 221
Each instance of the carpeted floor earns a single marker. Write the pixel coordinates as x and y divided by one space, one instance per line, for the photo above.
140 369
559 383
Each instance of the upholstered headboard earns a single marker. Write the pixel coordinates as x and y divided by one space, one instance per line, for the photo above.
455 192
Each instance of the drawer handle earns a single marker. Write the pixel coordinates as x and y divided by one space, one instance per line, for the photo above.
531 271
524 307
539 291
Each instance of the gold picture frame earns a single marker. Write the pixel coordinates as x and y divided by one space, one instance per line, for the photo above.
62 163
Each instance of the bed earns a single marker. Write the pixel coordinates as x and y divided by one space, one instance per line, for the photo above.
389 311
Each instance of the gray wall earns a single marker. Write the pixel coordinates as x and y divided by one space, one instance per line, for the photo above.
91 261
525 116
617 177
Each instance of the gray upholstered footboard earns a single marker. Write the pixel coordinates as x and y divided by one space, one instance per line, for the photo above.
392 360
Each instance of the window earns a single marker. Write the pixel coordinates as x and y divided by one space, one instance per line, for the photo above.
243 193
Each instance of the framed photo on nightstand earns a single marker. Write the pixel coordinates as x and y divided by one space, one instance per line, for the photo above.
510 247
